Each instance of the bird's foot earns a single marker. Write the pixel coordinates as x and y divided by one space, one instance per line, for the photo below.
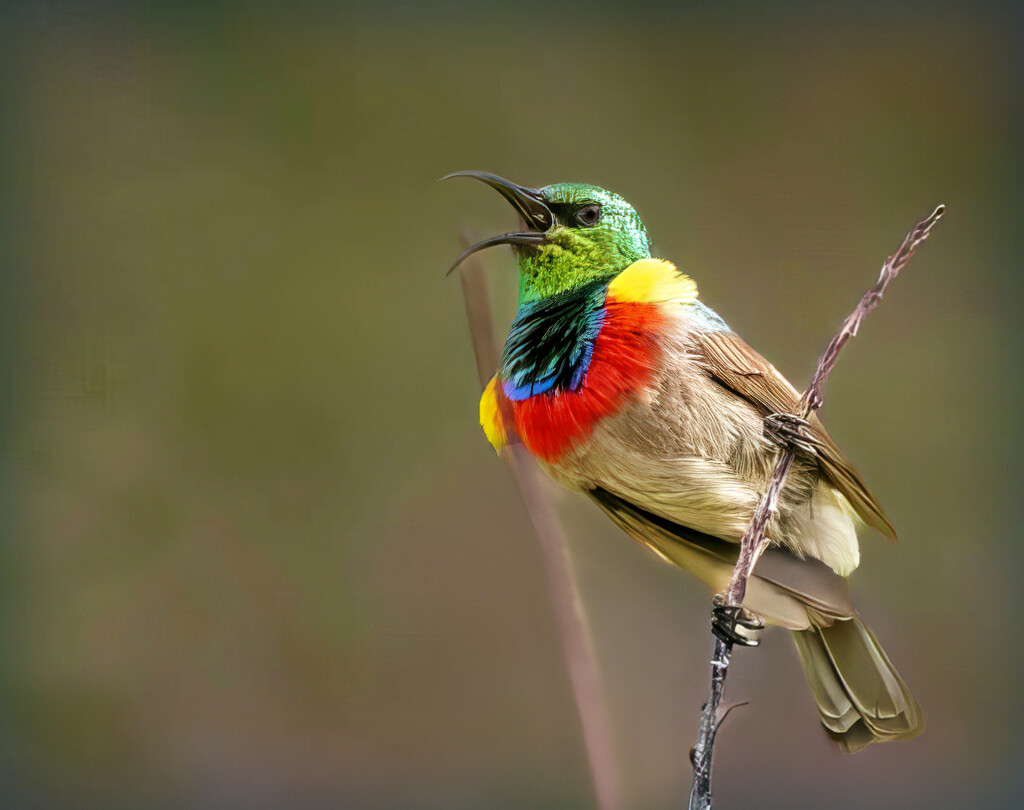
790 432
735 624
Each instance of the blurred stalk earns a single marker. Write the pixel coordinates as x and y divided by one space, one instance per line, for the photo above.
570 617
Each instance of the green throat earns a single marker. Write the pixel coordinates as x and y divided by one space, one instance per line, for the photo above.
576 254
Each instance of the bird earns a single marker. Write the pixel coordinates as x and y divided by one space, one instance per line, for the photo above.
626 387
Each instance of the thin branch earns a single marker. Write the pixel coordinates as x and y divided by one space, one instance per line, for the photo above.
570 619
755 540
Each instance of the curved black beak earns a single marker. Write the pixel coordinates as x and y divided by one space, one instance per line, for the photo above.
527 201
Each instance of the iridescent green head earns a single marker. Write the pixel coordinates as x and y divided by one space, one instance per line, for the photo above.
571 234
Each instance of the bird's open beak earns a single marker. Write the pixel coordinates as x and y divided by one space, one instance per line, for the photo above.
529 204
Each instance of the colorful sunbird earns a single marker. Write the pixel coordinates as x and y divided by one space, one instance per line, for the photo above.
627 388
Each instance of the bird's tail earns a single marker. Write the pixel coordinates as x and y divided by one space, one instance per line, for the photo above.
861 697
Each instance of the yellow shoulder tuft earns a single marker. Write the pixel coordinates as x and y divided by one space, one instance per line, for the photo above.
490 416
653 281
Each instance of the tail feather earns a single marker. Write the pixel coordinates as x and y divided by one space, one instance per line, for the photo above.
861 697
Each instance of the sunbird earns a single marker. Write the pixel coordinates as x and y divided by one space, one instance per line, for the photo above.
627 388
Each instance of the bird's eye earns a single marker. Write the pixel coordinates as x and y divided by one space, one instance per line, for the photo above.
588 215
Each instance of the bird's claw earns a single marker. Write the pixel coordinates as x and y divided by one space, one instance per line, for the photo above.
790 432
735 624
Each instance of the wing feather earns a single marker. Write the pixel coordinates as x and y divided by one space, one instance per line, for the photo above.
784 589
732 362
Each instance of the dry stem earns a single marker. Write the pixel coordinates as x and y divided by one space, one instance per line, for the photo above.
754 539
570 621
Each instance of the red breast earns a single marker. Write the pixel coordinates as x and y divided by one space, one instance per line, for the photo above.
623 365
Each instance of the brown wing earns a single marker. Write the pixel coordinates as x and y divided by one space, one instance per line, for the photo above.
784 589
735 365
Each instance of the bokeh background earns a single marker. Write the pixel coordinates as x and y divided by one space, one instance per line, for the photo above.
256 552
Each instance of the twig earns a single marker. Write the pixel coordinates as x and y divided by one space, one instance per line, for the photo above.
570 620
754 540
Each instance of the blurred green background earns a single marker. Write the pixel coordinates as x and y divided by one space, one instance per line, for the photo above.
256 551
